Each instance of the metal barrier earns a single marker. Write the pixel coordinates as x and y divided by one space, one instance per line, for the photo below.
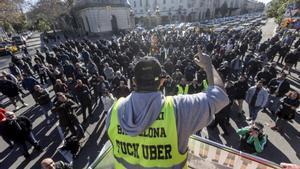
202 154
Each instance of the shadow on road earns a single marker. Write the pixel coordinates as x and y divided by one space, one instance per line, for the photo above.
92 148
272 153
289 133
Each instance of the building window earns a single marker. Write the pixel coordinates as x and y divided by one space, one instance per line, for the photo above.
134 4
141 3
164 1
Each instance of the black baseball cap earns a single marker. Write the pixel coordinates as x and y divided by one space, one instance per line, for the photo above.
147 74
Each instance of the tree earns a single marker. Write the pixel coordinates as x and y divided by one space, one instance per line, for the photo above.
7 27
42 25
48 12
277 8
11 15
21 25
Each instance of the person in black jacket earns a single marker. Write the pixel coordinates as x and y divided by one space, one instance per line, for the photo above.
69 69
71 84
273 70
253 67
195 87
29 82
84 96
42 97
170 86
117 79
64 108
241 87
12 91
280 86
287 110
264 74
101 85
41 70
20 132
222 118
290 59
282 53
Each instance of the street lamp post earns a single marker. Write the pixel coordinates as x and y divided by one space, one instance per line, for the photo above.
149 18
157 13
184 15
170 15
131 15
179 14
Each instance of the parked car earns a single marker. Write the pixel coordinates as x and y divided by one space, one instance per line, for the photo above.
6 47
24 35
27 35
19 41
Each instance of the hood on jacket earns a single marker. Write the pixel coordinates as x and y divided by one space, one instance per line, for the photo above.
138 111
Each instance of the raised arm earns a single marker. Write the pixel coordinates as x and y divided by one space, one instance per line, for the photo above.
213 77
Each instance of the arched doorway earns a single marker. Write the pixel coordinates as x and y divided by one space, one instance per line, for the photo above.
207 14
190 17
114 24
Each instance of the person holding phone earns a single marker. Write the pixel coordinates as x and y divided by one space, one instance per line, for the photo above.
253 139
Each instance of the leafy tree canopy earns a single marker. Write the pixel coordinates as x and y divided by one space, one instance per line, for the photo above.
277 8
12 17
45 13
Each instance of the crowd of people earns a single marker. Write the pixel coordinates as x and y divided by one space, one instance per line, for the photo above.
85 74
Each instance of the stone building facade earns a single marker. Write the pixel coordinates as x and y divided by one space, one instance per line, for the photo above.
191 10
98 16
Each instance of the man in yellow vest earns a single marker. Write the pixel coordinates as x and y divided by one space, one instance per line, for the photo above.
204 85
149 130
182 87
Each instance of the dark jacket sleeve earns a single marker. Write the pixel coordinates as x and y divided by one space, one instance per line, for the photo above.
284 88
63 165
26 121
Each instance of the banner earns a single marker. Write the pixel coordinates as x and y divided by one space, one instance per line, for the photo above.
202 154
207 154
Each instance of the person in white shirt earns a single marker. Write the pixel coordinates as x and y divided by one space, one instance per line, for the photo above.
256 97
108 100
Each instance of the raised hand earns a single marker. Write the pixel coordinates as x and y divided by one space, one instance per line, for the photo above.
203 60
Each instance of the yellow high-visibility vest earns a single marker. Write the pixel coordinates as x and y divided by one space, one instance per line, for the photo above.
156 147
181 91
205 85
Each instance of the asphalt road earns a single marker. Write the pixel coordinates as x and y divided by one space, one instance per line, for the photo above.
279 148
33 43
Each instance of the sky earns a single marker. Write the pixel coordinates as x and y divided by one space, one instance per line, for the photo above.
26 7
264 1
31 1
